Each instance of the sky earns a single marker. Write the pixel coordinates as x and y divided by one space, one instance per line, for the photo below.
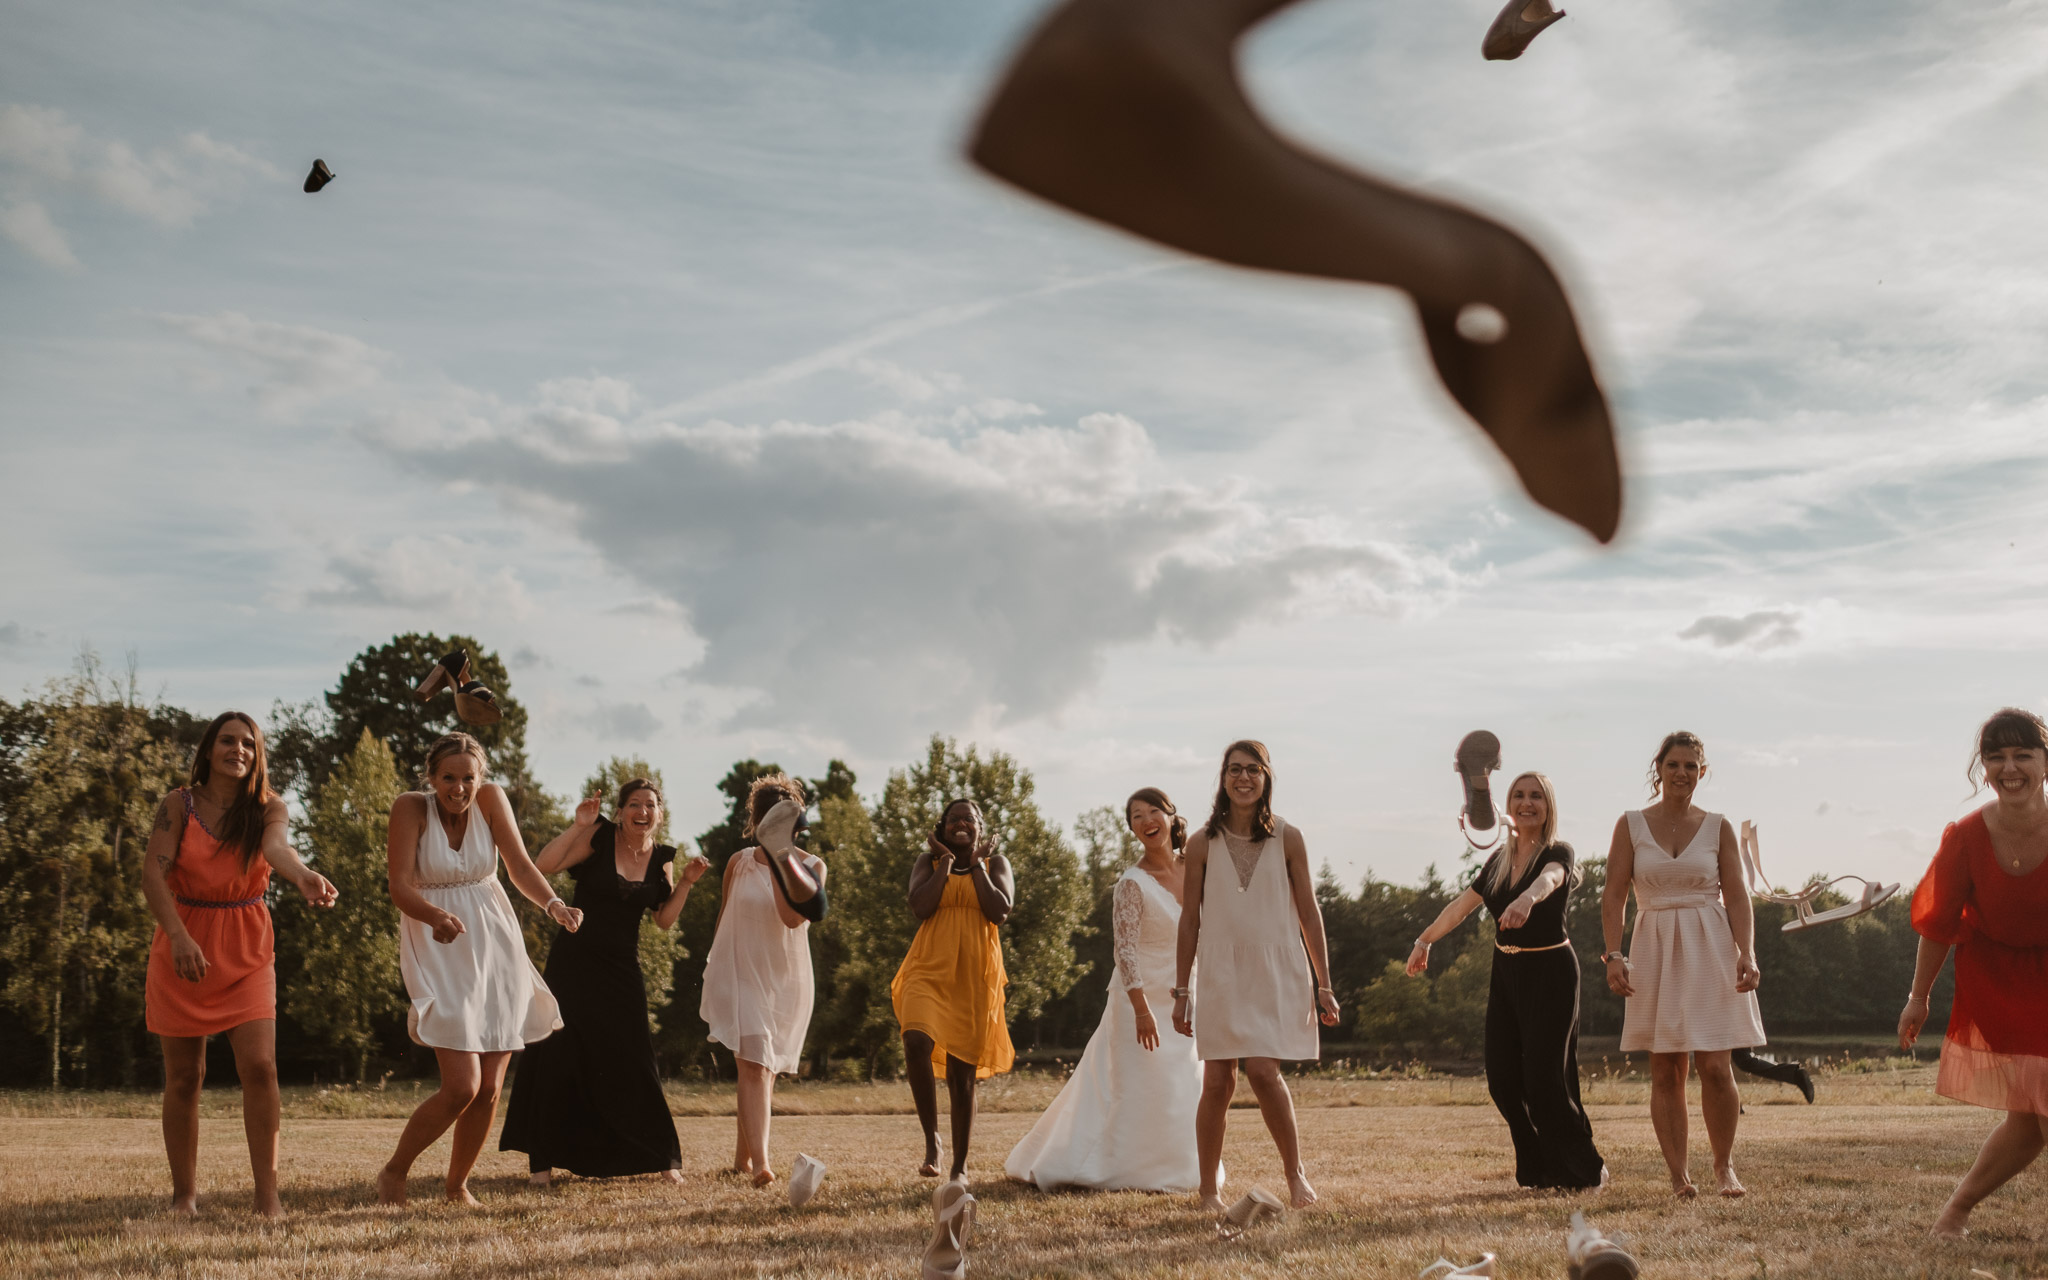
674 351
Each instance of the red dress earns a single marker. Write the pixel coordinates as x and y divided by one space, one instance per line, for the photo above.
1996 1051
223 909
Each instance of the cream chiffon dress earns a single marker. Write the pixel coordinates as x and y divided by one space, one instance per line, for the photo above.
758 987
479 993
1682 955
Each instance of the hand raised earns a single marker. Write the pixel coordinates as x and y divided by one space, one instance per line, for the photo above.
694 868
319 890
942 853
589 810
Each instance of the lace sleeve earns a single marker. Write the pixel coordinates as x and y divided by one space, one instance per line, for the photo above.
1126 914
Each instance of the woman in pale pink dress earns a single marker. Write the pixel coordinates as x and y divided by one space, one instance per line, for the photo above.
758 987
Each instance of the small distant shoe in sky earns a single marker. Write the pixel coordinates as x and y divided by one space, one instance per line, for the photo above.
1518 24
322 175
1131 112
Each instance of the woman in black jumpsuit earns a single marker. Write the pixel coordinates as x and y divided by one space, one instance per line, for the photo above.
1532 1004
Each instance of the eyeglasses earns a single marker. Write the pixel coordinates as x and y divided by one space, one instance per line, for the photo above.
1244 771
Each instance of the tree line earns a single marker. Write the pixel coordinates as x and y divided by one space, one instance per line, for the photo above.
84 761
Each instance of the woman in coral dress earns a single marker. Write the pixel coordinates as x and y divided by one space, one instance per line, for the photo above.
476 996
1126 1118
948 993
1986 896
211 964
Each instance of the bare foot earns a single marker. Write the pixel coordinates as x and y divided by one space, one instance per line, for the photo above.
1684 1190
390 1186
930 1167
461 1195
185 1206
1300 1194
675 1176
1950 1225
763 1178
1210 1203
1731 1186
271 1208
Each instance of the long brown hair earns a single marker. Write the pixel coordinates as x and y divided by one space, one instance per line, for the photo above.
1262 812
1177 830
242 825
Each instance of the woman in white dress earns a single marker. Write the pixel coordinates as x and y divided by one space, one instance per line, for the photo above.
1123 1119
476 996
758 987
1248 915
1690 974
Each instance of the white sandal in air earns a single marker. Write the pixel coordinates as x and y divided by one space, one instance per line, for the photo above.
1874 894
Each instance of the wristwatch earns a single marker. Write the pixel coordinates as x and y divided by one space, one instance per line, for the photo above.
1180 993
1606 956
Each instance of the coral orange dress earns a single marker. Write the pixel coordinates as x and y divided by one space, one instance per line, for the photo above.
1996 1051
222 906
950 986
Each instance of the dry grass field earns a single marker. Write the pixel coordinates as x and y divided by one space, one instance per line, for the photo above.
1408 1169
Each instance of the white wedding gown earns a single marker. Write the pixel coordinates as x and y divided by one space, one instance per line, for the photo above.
1126 1118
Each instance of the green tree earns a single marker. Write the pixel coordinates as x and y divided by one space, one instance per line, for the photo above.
341 985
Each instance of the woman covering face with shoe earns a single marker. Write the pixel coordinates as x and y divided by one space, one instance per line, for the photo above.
948 994
758 988
1690 974
588 1098
1532 999
1986 897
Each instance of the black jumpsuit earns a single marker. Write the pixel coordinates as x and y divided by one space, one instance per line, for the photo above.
1532 1034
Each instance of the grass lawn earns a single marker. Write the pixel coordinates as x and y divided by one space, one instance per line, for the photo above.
1407 1169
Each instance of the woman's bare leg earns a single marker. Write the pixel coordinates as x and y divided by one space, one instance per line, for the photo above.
255 1046
924 1092
1667 1116
474 1125
184 1077
1721 1107
756 1095
1276 1105
2011 1147
960 1101
1219 1085
462 1077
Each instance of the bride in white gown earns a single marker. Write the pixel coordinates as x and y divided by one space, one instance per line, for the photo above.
1126 1117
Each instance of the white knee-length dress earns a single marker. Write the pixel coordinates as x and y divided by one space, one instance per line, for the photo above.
1682 957
1254 996
479 993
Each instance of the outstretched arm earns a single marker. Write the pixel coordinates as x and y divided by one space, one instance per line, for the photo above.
573 844
284 860
1446 920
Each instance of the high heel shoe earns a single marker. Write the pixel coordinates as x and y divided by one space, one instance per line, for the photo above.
946 1257
1478 756
1512 31
1256 1206
475 704
1590 1255
450 669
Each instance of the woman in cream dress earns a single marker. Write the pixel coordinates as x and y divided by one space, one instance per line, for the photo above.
1124 1118
1249 915
476 997
1690 975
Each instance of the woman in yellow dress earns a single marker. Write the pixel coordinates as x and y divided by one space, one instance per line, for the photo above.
949 992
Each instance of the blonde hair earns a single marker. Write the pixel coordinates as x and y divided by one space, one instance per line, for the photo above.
1546 835
453 744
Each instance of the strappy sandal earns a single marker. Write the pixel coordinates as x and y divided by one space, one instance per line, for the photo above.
1875 894
450 669
1483 1267
1256 1206
946 1257
1590 1255
1512 31
1478 756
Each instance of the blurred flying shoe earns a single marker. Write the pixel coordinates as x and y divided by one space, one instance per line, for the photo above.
1590 1255
319 177
1483 1267
946 1257
1478 757
804 1180
1792 1073
1258 1205
451 670
475 704
1518 24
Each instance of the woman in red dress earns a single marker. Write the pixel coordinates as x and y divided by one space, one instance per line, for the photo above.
1987 896
211 964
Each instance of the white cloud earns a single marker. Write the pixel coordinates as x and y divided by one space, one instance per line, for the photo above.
438 576
1760 631
296 365
28 225
631 721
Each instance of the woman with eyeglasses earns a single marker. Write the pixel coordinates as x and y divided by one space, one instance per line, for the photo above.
588 1098
1249 918
758 987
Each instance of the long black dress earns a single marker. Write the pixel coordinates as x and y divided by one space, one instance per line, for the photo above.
588 1098
1532 1034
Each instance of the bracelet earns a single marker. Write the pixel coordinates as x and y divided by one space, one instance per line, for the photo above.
1179 993
1609 957
1910 998
1424 945
1326 991
549 905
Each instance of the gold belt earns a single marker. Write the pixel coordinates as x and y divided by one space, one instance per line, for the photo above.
1515 951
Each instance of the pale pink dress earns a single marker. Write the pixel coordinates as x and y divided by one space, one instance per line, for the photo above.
758 987
1682 957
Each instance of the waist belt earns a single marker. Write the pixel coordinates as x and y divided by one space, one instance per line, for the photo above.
1669 904
217 904
1515 951
486 878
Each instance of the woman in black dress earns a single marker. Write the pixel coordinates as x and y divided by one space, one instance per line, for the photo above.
588 1098
1532 1004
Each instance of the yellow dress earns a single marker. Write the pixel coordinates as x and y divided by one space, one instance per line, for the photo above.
951 984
